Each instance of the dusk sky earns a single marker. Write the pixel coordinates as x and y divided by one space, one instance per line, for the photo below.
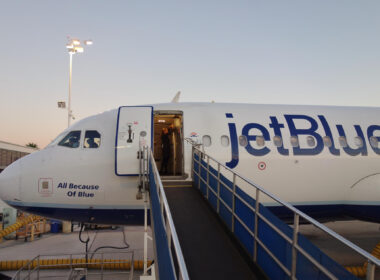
277 52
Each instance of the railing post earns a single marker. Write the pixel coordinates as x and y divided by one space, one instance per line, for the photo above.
294 244
102 266
168 233
199 169
218 198
132 267
140 165
233 202
370 271
256 224
192 162
208 176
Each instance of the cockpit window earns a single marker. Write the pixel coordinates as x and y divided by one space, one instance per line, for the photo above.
56 139
71 140
91 139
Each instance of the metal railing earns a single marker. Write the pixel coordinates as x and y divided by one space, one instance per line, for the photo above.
202 161
171 234
102 265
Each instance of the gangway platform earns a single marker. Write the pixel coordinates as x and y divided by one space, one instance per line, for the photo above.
209 251
219 228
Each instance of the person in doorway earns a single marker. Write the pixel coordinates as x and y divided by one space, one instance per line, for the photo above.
165 144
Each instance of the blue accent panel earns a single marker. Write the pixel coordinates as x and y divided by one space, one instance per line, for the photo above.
270 238
226 215
269 266
203 187
369 213
117 133
244 236
100 216
164 257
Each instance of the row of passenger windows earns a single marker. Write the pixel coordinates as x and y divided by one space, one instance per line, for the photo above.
72 139
294 141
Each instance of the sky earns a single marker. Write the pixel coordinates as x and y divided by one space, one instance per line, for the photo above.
324 52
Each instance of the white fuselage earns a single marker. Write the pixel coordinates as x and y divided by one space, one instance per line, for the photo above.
313 173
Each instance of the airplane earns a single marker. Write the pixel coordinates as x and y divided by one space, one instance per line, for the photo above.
325 160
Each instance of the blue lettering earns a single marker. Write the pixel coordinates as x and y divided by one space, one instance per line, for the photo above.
265 133
71 193
277 131
348 149
234 144
327 129
311 131
370 131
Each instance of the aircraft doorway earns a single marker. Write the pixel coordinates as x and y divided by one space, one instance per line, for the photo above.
168 142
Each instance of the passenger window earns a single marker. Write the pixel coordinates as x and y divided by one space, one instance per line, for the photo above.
327 141
260 141
374 142
294 141
225 140
243 140
310 141
277 141
71 140
342 141
206 140
358 141
91 139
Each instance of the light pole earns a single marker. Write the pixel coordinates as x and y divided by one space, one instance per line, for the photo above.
73 46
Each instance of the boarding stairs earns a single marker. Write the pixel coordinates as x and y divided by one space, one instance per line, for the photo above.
210 228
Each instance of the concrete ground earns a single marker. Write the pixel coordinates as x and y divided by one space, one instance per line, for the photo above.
68 243
366 235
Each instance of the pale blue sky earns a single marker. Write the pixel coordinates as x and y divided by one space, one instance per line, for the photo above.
287 52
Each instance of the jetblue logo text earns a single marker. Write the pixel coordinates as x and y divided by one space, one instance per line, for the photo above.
252 130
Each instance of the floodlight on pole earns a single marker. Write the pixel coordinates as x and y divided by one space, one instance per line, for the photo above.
73 46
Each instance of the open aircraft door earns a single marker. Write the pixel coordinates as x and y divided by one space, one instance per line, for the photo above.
134 129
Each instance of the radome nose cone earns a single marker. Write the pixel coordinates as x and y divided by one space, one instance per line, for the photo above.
10 182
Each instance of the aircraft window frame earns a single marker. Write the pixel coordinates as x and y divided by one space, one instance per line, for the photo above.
206 140
374 142
277 141
67 137
95 144
327 141
260 141
294 141
310 140
225 141
243 141
343 141
358 142
57 139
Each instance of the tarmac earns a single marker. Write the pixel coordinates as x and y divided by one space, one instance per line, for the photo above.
364 234
58 244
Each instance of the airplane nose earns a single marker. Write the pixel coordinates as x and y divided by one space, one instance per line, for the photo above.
10 182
